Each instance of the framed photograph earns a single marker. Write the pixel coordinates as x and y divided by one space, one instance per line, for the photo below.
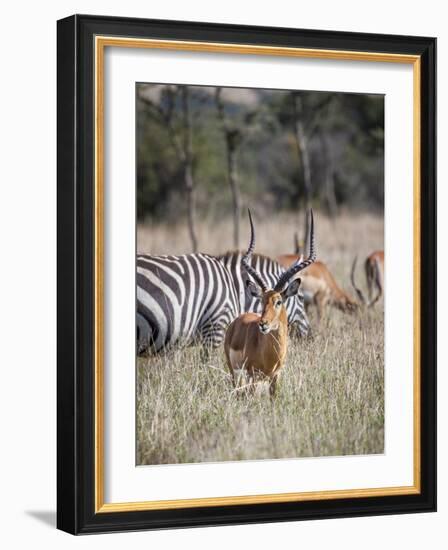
231 346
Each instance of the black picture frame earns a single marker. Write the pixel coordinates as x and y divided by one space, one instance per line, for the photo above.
76 264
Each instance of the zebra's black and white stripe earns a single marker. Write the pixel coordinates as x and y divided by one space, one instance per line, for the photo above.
271 271
183 298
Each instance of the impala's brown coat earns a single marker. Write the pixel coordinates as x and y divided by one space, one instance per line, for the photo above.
319 283
374 268
256 344
247 347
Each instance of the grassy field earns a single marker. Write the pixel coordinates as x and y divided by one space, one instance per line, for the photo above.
330 398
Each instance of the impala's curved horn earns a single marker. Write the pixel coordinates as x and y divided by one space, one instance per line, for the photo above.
358 291
246 258
301 263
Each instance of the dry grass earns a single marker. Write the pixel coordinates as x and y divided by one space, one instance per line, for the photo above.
330 398
337 241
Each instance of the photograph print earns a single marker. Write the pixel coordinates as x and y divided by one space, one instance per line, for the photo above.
259 274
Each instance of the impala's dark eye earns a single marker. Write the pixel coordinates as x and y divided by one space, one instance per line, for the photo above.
278 303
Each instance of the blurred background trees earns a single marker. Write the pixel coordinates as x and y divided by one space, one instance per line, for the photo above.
214 151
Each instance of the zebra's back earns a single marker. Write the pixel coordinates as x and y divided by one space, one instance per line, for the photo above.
181 298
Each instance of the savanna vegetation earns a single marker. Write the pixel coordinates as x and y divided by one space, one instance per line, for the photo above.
330 397
203 156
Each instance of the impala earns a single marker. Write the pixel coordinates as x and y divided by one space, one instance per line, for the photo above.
319 286
374 270
255 343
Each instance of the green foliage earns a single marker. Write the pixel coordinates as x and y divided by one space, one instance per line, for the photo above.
344 132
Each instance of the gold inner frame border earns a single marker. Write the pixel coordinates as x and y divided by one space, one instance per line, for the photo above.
101 42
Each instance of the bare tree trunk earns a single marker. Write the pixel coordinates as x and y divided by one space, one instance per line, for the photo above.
191 205
187 155
182 141
235 190
232 139
330 195
302 147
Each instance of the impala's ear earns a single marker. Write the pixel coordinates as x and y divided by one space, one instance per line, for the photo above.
253 289
292 289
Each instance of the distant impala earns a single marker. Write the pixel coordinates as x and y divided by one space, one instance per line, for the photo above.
319 286
374 270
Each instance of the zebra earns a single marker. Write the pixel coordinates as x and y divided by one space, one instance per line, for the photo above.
181 299
270 271
195 297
